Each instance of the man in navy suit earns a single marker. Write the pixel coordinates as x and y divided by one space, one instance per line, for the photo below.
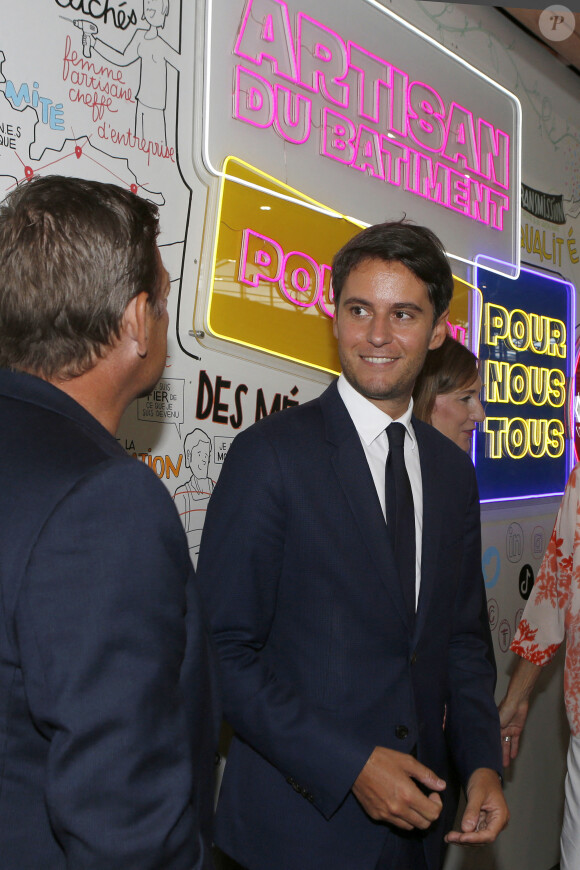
108 713
350 698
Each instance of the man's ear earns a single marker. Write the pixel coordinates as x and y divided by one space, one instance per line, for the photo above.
335 322
439 330
135 323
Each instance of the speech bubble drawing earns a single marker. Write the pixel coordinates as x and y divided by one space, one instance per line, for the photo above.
164 404
222 444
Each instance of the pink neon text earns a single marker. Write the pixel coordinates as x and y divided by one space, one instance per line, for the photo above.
300 279
372 93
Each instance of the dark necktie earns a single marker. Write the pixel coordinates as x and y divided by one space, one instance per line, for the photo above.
401 513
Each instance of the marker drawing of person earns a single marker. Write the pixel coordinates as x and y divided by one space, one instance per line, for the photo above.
148 47
191 499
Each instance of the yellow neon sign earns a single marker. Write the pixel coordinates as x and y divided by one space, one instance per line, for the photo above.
520 438
522 331
518 384
270 286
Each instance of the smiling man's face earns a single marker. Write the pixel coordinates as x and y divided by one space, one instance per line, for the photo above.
384 328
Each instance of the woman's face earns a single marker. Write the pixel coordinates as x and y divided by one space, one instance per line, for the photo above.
455 414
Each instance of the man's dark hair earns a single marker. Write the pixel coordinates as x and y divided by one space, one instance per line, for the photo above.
73 253
418 248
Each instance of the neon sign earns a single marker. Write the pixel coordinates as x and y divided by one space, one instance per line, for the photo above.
388 116
522 331
518 438
575 408
270 279
270 284
302 280
368 115
518 384
526 359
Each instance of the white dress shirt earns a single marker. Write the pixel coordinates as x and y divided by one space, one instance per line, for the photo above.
371 424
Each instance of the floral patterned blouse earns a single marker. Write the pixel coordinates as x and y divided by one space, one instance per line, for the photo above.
553 608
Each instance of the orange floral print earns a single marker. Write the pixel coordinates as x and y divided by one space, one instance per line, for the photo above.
523 646
552 612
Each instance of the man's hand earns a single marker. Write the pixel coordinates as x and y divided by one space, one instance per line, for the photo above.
387 793
486 813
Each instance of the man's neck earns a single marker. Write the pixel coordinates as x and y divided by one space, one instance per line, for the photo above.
98 402
102 390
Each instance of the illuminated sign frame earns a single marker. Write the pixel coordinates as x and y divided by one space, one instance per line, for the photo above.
269 278
573 404
262 271
539 336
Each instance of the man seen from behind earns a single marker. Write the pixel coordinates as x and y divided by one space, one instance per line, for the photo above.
107 686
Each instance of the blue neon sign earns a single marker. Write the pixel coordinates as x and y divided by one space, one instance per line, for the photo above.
524 449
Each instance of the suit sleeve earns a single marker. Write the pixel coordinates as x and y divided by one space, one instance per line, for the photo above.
472 718
101 629
239 569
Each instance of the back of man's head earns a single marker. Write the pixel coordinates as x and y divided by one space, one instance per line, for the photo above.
73 253
417 247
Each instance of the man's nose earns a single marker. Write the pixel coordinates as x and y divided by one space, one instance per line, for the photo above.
380 330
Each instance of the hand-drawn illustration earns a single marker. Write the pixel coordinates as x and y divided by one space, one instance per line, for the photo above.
164 403
18 119
514 542
88 28
148 47
504 635
451 23
103 167
492 612
191 499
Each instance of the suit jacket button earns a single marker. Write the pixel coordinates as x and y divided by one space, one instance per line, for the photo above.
401 731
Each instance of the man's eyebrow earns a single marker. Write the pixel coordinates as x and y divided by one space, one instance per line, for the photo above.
412 305
356 300
366 303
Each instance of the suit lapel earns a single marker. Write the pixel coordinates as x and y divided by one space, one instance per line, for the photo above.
432 519
352 470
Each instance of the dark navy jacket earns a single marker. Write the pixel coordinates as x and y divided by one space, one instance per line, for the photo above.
320 664
107 686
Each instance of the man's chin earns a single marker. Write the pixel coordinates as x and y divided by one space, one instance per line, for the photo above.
380 393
